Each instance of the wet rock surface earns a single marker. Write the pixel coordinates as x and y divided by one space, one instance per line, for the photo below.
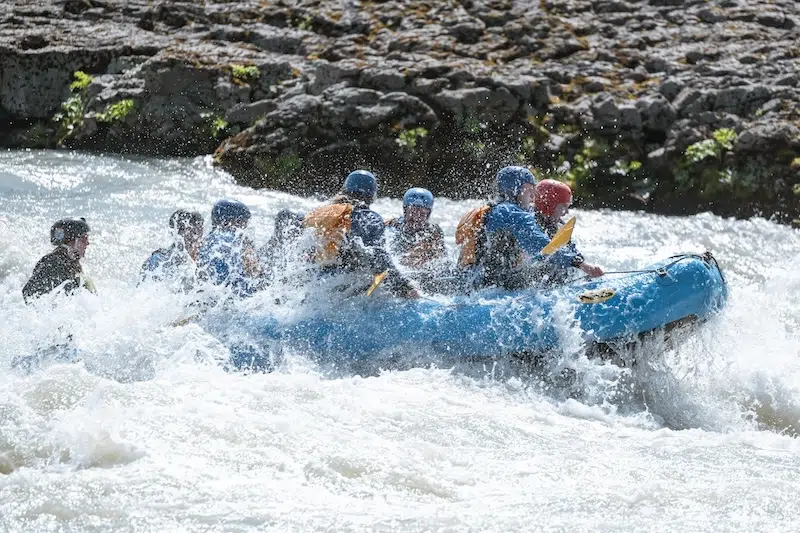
674 106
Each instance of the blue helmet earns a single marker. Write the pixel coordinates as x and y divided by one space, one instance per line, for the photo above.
362 183
418 197
511 179
225 211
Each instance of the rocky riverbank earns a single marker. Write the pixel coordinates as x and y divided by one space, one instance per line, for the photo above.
674 106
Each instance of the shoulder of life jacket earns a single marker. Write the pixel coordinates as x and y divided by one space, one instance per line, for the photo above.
467 232
331 224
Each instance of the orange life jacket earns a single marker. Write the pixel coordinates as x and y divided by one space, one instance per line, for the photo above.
468 231
331 225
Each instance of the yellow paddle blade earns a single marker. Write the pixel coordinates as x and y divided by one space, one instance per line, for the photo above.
597 296
377 281
561 238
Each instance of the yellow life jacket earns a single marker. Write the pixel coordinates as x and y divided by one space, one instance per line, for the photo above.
468 231
331 225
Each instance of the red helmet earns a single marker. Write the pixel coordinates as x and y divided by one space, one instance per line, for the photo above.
551 193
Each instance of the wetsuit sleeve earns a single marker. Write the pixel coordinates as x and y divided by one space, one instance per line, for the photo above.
396 282
150 266
369 226
577 259
532 238
154 261
267 254
439 249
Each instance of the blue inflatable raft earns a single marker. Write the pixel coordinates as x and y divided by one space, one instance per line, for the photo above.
493 323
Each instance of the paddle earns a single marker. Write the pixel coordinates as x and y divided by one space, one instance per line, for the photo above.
562 237
377 281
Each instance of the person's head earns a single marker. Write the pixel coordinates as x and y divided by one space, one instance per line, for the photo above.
288 225
361 185
417 207
516 184
71 233
230 214
189 226
552 198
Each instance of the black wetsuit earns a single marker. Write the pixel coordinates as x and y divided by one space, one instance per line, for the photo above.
51 271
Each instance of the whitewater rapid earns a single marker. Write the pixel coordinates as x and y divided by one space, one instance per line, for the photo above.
149 433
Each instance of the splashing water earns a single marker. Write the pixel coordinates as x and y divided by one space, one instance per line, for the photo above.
149 433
